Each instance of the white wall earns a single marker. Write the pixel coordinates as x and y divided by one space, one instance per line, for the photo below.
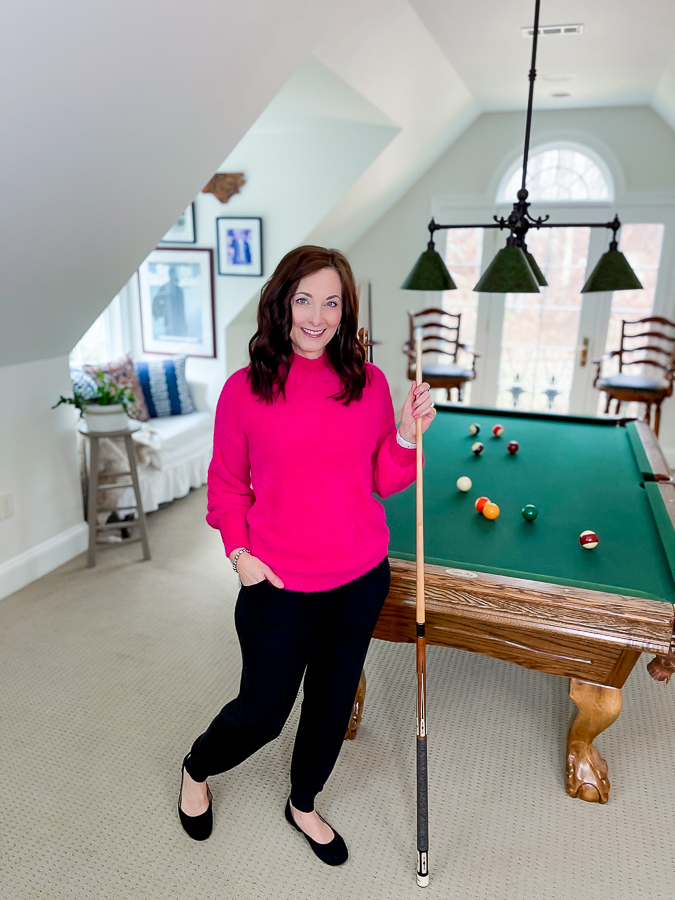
39 468
303 153
635 141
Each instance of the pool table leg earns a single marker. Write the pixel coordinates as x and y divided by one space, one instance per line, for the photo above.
586 773
357 709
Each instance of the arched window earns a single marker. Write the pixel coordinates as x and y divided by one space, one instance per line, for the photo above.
560 173
540 334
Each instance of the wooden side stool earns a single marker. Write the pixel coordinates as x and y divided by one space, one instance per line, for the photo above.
94 487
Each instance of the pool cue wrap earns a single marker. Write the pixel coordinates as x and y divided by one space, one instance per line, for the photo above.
422 778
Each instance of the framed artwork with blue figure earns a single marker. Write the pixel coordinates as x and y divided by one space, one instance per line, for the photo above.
239 246
175 287
183 229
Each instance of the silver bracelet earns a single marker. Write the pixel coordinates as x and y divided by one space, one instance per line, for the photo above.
236 557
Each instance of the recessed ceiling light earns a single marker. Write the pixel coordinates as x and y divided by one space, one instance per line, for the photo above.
562 94
558 76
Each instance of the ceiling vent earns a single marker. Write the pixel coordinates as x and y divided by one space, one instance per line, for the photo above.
549 30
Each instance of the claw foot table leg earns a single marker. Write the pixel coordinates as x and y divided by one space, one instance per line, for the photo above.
357 710
586 773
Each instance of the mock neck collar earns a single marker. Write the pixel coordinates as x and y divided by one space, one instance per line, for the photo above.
310 365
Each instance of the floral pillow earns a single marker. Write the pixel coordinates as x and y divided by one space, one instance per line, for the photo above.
122 372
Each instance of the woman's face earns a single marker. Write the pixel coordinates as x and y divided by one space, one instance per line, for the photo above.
316 306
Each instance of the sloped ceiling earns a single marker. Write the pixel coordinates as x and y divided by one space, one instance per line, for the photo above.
119 112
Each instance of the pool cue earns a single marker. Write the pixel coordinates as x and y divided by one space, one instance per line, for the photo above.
422 779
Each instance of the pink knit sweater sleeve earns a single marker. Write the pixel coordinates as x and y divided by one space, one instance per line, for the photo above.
230 495
394 466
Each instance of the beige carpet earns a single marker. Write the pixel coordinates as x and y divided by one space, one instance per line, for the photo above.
108 674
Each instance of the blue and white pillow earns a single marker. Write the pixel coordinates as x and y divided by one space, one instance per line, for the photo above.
83 383
165 387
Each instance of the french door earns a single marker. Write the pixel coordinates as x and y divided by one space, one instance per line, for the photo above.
537 350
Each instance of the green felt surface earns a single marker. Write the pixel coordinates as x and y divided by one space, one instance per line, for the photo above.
579 474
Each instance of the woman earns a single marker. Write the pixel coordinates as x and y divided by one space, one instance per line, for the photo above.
303 437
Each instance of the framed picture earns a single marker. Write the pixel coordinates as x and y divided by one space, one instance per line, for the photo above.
183 231
239 246
176 292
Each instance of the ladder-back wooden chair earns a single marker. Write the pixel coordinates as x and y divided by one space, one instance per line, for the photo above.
440 339
644 342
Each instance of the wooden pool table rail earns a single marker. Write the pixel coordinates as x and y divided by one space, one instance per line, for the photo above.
577 633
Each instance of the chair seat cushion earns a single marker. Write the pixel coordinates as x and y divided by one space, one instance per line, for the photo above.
446 370
632 383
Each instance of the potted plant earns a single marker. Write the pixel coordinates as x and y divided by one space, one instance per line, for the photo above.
105 409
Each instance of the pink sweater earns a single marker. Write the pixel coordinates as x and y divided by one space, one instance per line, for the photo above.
293 481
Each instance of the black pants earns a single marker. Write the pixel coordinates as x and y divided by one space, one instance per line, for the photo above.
285 635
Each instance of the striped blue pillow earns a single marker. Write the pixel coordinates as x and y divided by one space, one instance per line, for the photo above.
165 388
82 382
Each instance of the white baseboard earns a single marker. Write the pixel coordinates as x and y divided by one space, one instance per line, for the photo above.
38 561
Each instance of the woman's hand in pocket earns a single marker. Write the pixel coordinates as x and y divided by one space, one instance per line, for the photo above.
252 570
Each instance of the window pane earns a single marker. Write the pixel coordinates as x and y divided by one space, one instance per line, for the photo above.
641 244
540 333
560 175
464 250
103 341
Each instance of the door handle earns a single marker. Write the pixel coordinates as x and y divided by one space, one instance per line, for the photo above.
584 352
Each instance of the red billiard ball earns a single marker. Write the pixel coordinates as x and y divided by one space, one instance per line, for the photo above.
498 430
513 446
589 540
480 503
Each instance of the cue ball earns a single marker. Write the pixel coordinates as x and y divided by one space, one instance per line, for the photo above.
477 448
529 512
480 503
498 430
464 483
588 540
513 446
490 510
474 429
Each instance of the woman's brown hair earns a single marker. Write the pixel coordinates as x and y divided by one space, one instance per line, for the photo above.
270 347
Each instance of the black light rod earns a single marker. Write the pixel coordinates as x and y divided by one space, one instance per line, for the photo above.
439 227
613 225
532 76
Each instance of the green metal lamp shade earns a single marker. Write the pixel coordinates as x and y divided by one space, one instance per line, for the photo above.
612 273
538 274
508 273
429 274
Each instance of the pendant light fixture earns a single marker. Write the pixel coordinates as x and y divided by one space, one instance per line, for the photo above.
514 270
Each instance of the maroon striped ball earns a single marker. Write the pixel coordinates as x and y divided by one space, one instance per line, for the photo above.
589 540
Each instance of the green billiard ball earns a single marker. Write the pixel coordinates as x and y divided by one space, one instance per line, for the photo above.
529 512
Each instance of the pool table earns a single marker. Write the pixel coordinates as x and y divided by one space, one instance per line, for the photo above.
528 592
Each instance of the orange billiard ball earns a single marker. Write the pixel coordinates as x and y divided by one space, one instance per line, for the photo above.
490 510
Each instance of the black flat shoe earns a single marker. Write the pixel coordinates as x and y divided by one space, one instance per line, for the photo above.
334 853
198 827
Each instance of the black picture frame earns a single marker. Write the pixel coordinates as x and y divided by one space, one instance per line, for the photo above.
240 256
184 229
